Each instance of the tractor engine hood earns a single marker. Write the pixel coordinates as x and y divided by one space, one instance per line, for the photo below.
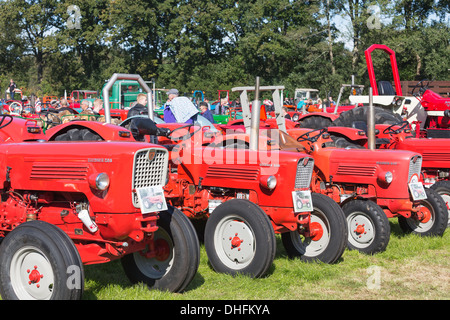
71 167
435 152
369 167
246 169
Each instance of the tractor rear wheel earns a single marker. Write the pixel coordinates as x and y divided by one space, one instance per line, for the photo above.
443 188
359 114
239 239
431 218
178 256
315 122
40 262
327 238
368 226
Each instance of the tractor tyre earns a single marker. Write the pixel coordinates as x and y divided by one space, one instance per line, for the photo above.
328 232
177 259
443 188
239 239
359 114
315 122
40 262
434 219
368 226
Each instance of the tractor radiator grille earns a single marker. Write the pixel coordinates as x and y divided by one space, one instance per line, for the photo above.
304 172
415 166
150 169
224 172
59 171
364 171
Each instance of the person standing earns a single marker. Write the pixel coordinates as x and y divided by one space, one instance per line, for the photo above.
140 107
12 88
205 111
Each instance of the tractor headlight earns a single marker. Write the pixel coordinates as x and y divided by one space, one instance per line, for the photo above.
99 181
268 182
295 117
386 177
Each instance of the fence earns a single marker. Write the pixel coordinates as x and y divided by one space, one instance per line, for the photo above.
440 87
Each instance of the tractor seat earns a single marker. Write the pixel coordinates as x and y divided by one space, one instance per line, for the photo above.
385 88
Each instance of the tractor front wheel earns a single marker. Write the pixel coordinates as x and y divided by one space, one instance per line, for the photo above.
239 239
443 188
178 257
40 262
327 238
368 226
430 219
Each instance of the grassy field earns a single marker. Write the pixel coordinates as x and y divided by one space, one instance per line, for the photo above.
412 268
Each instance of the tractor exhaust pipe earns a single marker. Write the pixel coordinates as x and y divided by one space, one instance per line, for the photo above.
256 115
371 123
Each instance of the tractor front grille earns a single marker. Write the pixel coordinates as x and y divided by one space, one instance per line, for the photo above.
305 168
150 169
415 166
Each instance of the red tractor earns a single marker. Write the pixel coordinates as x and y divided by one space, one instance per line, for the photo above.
68 204
435 152
245 189
370 185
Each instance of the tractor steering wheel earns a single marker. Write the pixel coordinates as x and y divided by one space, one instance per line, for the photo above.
2 119
421 86
186 136
311 138
402 125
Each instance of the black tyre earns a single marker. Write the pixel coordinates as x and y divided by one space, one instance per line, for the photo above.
443 188
177 261
315 122
40 262
368 226
239 239
431 219
328 238
359 114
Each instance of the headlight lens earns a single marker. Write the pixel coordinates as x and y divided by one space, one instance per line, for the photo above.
269 182
388 177
102 181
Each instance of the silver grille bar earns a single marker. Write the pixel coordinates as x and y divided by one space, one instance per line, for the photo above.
415 166
305 168
150 169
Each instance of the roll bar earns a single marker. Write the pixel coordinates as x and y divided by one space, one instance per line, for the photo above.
125 76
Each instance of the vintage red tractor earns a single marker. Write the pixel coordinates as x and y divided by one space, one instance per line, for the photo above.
68 204
371 185
245 190
435 152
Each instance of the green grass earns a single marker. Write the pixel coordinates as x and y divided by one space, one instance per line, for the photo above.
412 268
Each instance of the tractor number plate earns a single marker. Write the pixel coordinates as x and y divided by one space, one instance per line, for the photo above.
212 204
302 201
417 191
151 199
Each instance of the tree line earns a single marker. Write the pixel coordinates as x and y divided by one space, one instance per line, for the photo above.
48 46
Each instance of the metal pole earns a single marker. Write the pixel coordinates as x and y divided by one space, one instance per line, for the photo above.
124 76
371 123
256 114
